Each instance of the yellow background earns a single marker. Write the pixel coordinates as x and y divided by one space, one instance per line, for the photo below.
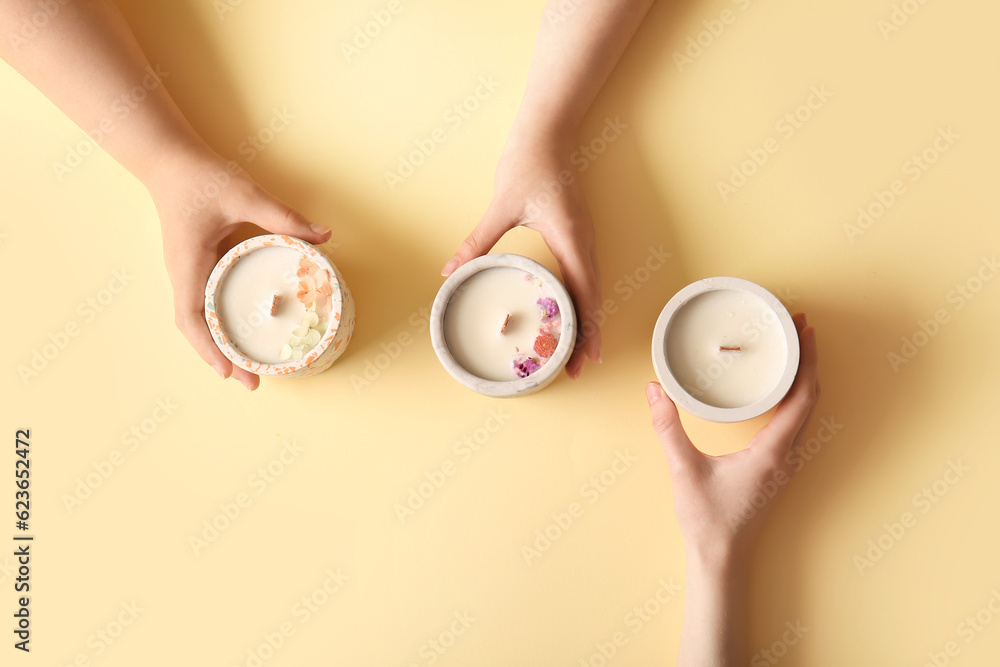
365 447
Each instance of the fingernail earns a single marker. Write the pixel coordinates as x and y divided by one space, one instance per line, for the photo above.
318 229
600 355
653 392
246 383
450 266
804 322
218 369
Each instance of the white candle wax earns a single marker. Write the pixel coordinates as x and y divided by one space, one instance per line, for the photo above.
475 316
244 301
726 378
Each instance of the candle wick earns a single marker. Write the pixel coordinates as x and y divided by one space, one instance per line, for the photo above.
724 348
274 304
503 327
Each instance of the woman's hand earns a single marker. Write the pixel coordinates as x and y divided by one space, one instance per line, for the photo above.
202 200
711 496
536 189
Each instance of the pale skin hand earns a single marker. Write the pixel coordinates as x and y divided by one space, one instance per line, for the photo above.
85 59
710 498
572 60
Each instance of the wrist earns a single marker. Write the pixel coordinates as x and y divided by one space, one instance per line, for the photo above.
177 164
536 134
723 558
167 155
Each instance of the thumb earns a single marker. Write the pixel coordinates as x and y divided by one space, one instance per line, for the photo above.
667 424
485 235
277 217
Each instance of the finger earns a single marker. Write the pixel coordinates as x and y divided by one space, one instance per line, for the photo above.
277 217
196 331
484 236
795 409
676 445
189 277
193 327
578 266
801 436
246 378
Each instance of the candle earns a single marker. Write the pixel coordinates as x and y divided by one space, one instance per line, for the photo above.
725 349
503 325
277 306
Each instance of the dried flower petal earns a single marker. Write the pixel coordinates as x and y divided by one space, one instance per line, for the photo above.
525 367
545 345
549 307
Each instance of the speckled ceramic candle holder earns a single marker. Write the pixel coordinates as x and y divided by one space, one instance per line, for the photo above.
521 386
340 323
680 395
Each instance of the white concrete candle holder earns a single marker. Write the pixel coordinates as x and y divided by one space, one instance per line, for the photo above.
471 323
725 349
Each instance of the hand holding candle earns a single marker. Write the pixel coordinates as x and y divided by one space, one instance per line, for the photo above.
564 223
195 229
716 502
537 179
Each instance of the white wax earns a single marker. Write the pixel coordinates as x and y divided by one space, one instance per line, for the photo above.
475 315
726 318
243 301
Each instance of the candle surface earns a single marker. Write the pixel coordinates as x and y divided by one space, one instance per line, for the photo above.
245 298
476 314
731 319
